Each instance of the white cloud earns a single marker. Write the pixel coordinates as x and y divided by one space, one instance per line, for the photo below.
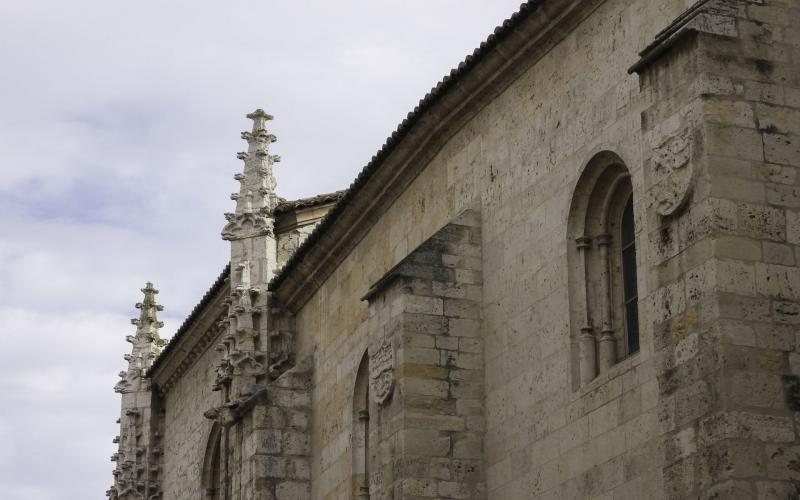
117 139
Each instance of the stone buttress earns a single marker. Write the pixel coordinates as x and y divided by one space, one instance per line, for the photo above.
137 471
264 396
718 137
426 371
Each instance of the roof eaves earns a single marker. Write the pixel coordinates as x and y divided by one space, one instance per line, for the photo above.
191 318
445 84
320 199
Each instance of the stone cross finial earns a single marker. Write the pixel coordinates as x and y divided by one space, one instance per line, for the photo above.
260 119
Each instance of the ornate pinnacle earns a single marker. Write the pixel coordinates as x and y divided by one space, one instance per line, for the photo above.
256 198
148 323
146 342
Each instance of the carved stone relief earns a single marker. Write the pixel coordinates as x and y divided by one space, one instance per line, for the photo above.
672 174
381 372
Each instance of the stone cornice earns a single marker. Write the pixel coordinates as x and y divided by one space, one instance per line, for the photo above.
508 53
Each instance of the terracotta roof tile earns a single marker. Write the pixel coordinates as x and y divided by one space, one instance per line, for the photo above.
320 199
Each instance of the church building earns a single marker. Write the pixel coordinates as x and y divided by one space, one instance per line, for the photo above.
572 272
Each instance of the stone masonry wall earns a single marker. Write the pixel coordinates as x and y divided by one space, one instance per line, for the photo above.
187 430
479 344
726 267
277 441
426 415
519 159
716 281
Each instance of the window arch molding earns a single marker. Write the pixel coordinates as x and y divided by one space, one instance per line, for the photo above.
602 268
212 464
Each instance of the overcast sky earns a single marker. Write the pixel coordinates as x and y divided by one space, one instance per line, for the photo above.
119 124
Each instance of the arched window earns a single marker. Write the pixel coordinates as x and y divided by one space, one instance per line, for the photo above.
602 268
360 436
212 477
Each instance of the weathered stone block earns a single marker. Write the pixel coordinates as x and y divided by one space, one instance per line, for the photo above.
783 462
451 489
782 149
777 253
273 467
464 327
268 417
760 390
292 490
424 442
467 445
413 487
296 443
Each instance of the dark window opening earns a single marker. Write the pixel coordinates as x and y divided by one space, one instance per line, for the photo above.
630 292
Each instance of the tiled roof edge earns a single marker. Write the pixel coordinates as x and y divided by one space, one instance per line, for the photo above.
320 199
191 318
283 206
441 88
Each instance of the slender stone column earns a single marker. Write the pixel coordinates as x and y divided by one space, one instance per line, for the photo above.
587 344
607 351
363 417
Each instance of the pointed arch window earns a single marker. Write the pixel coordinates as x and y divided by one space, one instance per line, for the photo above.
604 294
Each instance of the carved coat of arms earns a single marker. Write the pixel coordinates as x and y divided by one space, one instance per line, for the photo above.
381 372
672 174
